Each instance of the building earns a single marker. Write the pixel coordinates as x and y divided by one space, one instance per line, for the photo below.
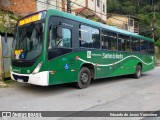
91 9
129 23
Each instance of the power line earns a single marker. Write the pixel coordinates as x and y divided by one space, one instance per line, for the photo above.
47 3
89 9
75 2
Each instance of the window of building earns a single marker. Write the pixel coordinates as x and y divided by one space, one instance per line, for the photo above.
144 46
98 3
135 45
104 8
131 22
109 40
123 43
89 37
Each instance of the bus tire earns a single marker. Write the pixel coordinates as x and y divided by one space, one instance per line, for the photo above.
138 73
84 78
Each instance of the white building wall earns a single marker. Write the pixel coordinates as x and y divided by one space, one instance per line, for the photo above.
99 9
79 4
57 4
92 4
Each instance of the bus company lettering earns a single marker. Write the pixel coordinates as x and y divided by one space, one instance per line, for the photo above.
112 56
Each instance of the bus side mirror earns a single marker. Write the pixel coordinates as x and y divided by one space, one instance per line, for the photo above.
59 32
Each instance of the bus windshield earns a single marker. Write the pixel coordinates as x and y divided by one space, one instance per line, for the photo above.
28 41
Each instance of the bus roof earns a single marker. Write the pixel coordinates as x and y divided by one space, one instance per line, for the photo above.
96 24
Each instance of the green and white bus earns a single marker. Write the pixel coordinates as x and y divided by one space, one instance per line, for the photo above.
53 47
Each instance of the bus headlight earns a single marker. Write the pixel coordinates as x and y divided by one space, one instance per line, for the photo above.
38 67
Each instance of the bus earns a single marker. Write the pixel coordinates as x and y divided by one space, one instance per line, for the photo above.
53 47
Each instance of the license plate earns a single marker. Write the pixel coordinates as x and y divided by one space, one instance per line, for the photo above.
20 80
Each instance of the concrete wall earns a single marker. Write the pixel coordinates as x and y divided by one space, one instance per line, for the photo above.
157 54
157 51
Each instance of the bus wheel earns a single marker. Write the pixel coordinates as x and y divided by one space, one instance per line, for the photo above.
84 78
137 75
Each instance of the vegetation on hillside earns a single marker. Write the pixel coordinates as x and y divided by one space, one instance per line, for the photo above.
142 9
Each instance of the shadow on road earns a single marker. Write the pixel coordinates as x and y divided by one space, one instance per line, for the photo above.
63 88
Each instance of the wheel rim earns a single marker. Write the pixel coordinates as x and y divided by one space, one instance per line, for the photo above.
84 77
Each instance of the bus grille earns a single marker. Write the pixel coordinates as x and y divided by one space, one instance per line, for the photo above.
24 78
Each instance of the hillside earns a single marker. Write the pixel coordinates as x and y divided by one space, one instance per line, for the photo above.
143 9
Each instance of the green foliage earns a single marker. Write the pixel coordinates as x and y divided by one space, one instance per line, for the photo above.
142 9
157 43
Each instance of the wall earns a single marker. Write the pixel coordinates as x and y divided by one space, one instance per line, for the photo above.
157 55
121 22
92 4
79 2
22 7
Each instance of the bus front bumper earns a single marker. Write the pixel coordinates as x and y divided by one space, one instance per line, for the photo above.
41 78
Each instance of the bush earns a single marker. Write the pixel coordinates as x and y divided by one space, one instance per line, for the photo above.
157 43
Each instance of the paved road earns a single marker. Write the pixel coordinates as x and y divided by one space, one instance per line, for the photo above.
112 94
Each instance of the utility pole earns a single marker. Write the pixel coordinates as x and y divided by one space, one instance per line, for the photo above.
63 5
154 19
69 6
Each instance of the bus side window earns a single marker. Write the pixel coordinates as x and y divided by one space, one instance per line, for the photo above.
144 46
151 48
123 43
120 42
85 36
113 39
105 39
109 40
127 44
135 45
66 42
89 37
95 38
52 36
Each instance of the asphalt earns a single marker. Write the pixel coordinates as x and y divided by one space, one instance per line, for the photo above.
111 94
